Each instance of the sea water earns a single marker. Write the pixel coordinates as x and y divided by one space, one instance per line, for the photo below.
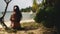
25 16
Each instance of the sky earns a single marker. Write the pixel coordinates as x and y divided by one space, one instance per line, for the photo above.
20 3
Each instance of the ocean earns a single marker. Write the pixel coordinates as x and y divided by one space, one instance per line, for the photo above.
25 16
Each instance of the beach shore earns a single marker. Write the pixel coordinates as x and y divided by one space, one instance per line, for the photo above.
8 23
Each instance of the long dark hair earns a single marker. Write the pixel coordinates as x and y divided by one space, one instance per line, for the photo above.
16 9
18 12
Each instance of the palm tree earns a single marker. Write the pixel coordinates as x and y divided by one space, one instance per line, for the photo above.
34 6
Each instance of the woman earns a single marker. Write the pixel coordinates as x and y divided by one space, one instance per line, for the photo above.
16 18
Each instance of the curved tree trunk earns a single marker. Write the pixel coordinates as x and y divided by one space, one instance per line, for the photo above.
2 18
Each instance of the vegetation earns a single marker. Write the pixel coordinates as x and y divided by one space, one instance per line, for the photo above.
34 6
49 14
28 9
37 29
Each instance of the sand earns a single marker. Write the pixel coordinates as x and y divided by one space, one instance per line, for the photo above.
8 23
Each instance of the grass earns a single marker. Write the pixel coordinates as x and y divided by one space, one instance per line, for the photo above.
34 25
31 28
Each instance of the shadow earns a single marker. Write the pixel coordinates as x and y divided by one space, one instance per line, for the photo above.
10 30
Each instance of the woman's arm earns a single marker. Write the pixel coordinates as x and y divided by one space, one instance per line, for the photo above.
12 18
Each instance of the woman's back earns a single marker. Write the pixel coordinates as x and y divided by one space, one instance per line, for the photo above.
16 18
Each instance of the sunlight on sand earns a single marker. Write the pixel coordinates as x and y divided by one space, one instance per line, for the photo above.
8 23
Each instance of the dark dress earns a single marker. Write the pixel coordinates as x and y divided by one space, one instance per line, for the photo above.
15 20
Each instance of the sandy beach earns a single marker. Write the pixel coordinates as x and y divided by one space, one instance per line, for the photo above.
8 23
37 29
